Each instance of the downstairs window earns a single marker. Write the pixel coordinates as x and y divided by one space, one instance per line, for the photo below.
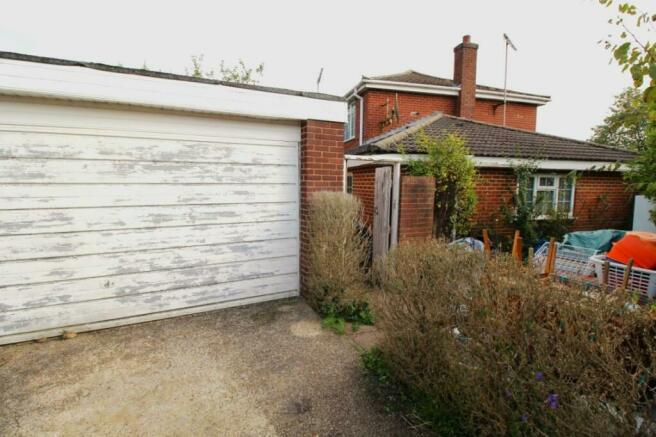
550 194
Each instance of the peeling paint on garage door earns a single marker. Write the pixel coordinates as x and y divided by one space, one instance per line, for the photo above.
112 216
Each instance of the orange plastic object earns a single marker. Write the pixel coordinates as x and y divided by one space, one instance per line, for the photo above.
641 246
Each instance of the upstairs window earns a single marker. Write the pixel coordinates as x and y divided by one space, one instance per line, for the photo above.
550 194
349 129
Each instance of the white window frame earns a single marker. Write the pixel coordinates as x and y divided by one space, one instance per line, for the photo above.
557 177
349 128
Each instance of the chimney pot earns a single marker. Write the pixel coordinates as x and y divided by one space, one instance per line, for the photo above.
466 39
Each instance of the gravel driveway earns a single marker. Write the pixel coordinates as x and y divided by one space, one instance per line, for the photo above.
261 370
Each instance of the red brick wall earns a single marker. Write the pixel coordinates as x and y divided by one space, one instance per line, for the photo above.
413 106
322 166
494 187
416 212
363 188
518 115
602 200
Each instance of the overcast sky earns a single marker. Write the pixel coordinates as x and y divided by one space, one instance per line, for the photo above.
557 41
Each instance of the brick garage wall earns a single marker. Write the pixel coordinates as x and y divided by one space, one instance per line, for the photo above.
322 167
602 200
518 115
364 183
416 212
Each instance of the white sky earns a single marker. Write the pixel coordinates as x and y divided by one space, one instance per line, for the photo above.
557 41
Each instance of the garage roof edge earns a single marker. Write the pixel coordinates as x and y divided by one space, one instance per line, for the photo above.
47 77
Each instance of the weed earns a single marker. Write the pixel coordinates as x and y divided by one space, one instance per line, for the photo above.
334 323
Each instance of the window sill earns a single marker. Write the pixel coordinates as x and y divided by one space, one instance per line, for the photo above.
349 139
546 217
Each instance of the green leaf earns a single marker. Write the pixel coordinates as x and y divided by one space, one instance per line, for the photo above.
622 51
652 71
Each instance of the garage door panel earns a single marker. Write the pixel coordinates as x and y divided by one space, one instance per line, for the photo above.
14 222
44 318
113 216
84 243
67 292
55 171
87 147
38 196
110 264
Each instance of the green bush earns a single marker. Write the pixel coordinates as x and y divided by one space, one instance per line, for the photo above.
447 159
338 257
507 354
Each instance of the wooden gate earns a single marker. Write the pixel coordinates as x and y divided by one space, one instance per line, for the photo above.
382 211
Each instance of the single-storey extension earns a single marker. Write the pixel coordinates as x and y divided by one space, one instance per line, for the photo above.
596 198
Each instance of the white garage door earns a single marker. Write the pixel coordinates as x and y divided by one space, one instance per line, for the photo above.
112 216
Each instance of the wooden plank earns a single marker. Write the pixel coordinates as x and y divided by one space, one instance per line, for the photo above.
16 222
68 292
55 171
34 319
109 264
627 274
487 246
37 196
87 147
16 247
382 206
517 247
396 204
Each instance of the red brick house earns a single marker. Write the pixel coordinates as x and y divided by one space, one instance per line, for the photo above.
385 113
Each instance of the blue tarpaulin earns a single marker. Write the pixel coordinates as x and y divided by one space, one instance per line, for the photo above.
599 240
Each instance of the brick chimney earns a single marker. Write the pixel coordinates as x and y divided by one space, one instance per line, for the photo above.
464 74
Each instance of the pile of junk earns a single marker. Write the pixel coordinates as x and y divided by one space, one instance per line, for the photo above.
606 258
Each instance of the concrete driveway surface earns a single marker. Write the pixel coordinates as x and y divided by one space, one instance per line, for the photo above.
261 370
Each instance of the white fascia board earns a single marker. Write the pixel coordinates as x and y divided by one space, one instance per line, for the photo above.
32 79
353 161
487 162
444 91
512 97
552 164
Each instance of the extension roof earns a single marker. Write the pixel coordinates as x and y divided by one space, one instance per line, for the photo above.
488 140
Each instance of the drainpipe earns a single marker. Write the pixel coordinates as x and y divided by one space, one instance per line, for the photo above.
355 94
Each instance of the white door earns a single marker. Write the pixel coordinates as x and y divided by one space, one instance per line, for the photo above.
114 216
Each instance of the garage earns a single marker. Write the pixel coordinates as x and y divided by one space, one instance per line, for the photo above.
127 197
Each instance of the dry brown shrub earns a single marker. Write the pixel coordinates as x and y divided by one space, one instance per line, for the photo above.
509 354
338 250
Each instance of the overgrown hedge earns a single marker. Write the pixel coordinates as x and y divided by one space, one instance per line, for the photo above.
483 342
338 258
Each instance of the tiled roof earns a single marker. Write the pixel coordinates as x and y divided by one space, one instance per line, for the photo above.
415 77
488 140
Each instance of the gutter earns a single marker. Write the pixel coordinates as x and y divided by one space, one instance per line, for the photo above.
445 91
